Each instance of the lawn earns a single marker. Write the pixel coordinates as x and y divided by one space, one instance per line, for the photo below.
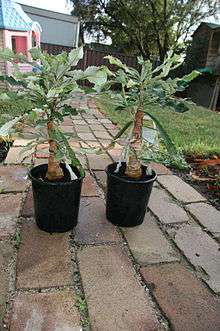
195 132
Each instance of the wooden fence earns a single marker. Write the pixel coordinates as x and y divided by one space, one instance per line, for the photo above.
91 57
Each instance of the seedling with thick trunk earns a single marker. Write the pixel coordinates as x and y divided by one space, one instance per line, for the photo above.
139 90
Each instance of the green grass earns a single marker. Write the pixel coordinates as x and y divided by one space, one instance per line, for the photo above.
10 109
196 131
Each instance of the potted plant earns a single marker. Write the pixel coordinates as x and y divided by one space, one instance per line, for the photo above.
129 182
57 184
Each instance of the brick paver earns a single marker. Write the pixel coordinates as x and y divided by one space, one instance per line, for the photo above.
179 189
116 301
184 299
45 311
6 255
15 156
166 208
102 263
207 216
202 251
148 244
13 178
9 211
43 259
92 226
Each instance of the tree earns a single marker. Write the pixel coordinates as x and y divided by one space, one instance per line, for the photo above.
146 27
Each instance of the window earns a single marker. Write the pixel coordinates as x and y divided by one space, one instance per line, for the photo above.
19 44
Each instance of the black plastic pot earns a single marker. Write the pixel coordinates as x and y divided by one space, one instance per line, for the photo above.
127 198
56 205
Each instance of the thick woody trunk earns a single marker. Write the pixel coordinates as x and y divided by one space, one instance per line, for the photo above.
133 168
54 171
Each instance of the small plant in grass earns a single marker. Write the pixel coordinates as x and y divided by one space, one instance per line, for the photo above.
139 90
48 86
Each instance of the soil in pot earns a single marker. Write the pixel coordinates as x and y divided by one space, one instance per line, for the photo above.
127 198
56 204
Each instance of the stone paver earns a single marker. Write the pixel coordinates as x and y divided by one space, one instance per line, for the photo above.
43 259
160 169
101 178
13 178
89 188
92 225
207 216
15 156
115 154
82 128
116 300
185 300
97 127
9 211
98 162
46 312
6 255
166 208
102 134
28 206
202 251
148 243
86 136
20 142
179 189
105 121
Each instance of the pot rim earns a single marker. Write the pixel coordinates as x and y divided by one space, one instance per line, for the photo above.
41 182
127 180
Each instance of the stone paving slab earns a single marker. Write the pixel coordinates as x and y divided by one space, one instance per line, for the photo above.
148 243
183 298
102 134
86 136
97 127
160 169
202 251
13 178
101 178
15 156
93 228
9 211
45 312
166 208
179 189
89 188
20 142
43 259
6 256
27 209
208 216
116 301
98 162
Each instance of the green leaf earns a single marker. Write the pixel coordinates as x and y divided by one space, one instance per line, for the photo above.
5 130
75 56
167 141
36 53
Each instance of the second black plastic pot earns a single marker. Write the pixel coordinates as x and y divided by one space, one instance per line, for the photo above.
56 204
127 198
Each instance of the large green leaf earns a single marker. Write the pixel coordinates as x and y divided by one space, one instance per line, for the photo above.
164 135
5 130
75 56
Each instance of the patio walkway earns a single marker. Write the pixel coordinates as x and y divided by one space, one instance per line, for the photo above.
162 275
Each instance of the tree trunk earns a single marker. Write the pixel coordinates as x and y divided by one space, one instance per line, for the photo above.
54 171
133 168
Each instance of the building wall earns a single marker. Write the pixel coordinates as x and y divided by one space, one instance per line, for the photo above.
58 29
2 63
213 49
